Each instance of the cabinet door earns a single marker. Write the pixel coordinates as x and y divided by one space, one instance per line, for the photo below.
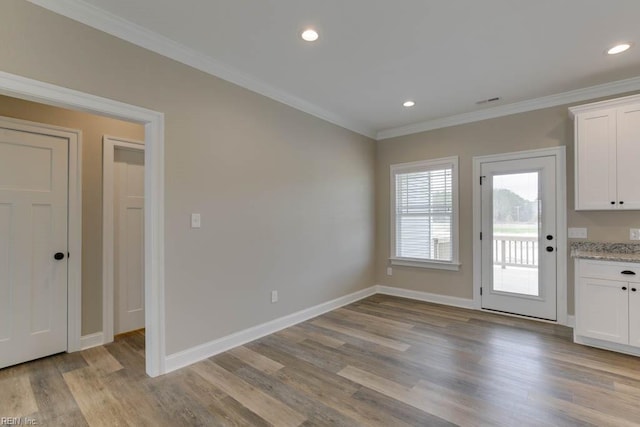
628 157
602 310
634 315
596 160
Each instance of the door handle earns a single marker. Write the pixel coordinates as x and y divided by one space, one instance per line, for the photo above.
549 237
58 256
628 272
624 288
549 248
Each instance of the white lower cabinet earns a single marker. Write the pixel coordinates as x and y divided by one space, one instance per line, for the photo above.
634 316
608 305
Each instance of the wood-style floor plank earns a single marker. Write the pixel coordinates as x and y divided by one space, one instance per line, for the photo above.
98 404
17 396
382 361
256 360
361 334
101 360
362 412
267 407
316 413
306 332
56 405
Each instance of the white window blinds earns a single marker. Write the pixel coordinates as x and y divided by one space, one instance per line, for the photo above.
424 217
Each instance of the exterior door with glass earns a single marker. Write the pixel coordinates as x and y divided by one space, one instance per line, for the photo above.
519 250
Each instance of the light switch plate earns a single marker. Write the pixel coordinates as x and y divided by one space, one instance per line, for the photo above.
389 271
577 233
634 234
274 296
195 220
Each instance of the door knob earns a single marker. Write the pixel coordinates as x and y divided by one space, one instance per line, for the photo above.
58 256
624 288
549 248
549 237
633 289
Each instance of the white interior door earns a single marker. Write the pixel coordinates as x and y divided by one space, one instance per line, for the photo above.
519 237
33 233
128 239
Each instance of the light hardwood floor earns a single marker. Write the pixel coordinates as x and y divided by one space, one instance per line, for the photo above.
382 361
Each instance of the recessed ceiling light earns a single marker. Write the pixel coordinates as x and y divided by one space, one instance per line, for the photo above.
408 104
619 48
309 35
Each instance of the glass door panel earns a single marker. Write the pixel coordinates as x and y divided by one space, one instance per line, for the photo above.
516 232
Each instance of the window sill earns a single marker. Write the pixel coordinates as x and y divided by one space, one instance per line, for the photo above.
410 262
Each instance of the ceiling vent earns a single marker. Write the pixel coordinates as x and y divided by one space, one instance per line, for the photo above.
486 101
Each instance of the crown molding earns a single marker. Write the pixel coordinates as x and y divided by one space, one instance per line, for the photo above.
598 106
109 23
578 95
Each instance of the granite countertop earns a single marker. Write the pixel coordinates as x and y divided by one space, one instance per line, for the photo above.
619 252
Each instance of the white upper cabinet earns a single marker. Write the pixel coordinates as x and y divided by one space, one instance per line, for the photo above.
596 160
607 159
628 156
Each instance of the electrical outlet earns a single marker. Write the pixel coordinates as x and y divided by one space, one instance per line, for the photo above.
195 220
577 233
634 234
274 296
389 271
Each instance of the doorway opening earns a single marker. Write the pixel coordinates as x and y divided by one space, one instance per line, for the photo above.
33 90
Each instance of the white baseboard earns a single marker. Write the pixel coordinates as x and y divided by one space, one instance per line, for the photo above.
91 340
606 345
204 351
425 296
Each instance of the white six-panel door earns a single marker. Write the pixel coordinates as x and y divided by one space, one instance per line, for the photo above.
33 228
128 239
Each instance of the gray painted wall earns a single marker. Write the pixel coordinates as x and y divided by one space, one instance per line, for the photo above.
287 199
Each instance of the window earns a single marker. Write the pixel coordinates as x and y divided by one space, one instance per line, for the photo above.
424 214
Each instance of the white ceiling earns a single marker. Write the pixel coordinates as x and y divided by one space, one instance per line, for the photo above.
374 54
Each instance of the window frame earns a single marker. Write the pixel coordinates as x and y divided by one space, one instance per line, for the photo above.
424 166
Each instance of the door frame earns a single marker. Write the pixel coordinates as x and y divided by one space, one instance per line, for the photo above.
74 219
561 222
109 146
153 121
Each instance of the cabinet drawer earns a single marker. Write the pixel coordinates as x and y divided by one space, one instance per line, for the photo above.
609 270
